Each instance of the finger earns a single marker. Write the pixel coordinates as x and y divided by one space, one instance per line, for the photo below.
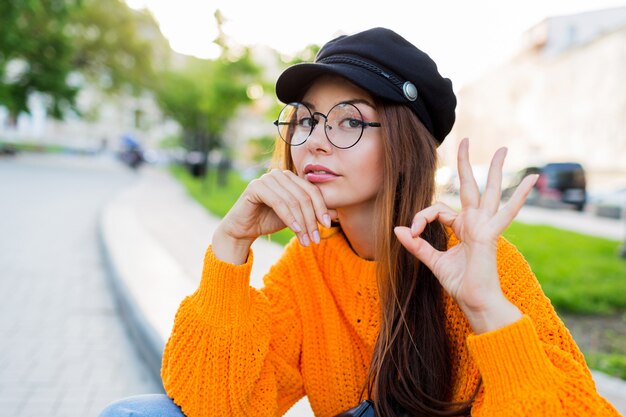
303 199
505 216
438 211
286 206
490 199
419 247
468 189
323 213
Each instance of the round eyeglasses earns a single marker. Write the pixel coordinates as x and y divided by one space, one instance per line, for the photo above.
343 125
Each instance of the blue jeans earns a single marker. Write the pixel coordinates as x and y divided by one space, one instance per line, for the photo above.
150 405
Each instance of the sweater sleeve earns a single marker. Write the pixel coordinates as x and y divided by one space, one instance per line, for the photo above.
234 350
532 367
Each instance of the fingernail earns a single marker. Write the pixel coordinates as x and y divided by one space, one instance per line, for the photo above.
326 220
316 236
413 228
296 227
305 240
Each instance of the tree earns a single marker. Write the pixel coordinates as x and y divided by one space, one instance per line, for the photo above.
52 47
36 54
115 46
204 95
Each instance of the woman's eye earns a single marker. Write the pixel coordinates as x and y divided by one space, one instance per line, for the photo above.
351 123
305 122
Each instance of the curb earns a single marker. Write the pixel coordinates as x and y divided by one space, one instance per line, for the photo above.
146 281
145 337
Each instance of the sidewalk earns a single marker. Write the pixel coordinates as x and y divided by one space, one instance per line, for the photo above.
156 235
581 222
64 349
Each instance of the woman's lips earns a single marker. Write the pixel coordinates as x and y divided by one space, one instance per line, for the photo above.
317 178
319 174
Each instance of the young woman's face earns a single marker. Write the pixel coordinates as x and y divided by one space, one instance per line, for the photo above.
346 177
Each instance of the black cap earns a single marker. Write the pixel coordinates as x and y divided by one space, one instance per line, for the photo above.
387 66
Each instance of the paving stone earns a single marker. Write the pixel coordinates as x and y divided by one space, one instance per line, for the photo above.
63 345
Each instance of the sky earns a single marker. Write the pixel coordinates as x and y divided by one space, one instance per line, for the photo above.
465 38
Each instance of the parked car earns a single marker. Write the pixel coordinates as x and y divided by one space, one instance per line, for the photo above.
562 183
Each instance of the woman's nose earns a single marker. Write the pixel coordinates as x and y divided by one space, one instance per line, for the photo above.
318 141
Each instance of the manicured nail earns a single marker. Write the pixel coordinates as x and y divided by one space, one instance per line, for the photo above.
326 220
316 236
296 227
413 229
305 240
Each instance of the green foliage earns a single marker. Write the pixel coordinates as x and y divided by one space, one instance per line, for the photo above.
204 95
170 142
580 273
115 46
36 54
46 44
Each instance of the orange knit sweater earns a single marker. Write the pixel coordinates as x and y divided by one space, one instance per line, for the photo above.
237 351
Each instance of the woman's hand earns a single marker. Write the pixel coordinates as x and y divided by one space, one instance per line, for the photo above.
468 271
270 203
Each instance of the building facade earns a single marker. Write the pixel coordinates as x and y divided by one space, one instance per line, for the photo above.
561 98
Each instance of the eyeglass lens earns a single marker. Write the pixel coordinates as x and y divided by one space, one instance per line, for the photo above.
343 125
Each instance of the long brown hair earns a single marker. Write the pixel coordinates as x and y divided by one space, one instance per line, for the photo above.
411 368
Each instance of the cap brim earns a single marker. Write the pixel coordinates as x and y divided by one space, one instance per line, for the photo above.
293 83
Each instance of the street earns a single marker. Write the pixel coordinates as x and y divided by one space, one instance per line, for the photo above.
64 350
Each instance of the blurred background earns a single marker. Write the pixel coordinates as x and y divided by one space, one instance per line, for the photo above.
109 108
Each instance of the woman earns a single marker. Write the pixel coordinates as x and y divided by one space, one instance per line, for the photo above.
383 295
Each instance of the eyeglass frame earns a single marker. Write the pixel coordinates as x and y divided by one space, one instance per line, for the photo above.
315 122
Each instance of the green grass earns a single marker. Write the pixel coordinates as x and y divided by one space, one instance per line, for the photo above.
609 363
581 274
218 200
35 147
32 147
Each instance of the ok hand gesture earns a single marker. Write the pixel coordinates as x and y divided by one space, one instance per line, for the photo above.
468 271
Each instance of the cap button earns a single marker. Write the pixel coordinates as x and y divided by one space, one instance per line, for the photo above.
410 91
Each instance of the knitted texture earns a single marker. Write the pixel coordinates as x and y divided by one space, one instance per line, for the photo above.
237 351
